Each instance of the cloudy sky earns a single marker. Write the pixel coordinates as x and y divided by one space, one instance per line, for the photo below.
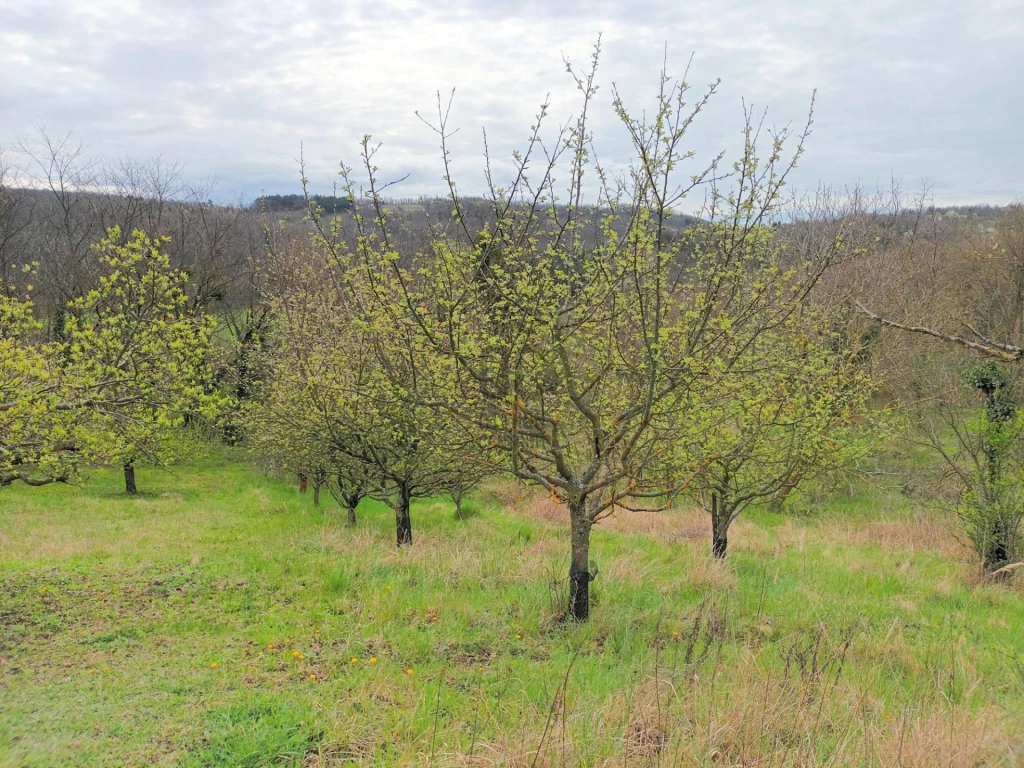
925 91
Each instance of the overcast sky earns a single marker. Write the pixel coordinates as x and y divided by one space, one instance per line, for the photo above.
920 90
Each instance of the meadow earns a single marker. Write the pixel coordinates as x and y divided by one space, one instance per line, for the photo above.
220 619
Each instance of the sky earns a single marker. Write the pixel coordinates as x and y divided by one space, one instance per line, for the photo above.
926 92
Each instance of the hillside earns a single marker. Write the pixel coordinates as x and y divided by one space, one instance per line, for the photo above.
219 619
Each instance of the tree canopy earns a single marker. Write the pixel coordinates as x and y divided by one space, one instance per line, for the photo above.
119 378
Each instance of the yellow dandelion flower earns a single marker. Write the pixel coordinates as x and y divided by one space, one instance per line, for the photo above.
312 676
90 671
106 669
388 587
518 636
373 659
408 671
213 665
354 660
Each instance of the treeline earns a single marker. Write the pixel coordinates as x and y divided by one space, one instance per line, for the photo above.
57 201
277 203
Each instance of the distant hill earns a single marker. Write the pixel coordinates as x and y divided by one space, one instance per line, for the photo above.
286 203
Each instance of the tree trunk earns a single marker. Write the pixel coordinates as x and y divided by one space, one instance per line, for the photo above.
459 515
997 548
351 501
720 545
579 566
403 522
775 505
302 482
316 494
719 528
129 478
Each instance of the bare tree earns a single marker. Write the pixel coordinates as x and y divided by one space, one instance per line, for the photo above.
15 218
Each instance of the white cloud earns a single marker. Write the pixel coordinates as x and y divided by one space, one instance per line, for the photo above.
907 89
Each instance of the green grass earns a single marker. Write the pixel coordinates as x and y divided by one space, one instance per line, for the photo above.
220 619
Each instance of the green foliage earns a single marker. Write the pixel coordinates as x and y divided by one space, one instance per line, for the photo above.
38 436
120 381
329 408
328 203
991 466
797 406
993 381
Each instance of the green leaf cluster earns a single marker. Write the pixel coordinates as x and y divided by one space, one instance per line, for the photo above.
126 375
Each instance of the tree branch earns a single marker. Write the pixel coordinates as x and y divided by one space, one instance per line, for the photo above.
1007 352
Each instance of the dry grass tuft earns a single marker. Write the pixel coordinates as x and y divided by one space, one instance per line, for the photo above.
646 735
922 532
705 571
950 739
671 526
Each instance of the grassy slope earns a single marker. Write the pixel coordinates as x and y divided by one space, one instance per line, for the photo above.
219 619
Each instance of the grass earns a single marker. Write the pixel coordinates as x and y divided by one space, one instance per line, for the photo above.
219 619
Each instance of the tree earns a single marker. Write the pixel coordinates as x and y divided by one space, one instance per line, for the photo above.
15 217
73 199
974 286
126 372
970 298
351 481
137 335
460 485
325 374
245 369
984 451
297 202
41 422
993 503
577 363
286 427
64 227
795 406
